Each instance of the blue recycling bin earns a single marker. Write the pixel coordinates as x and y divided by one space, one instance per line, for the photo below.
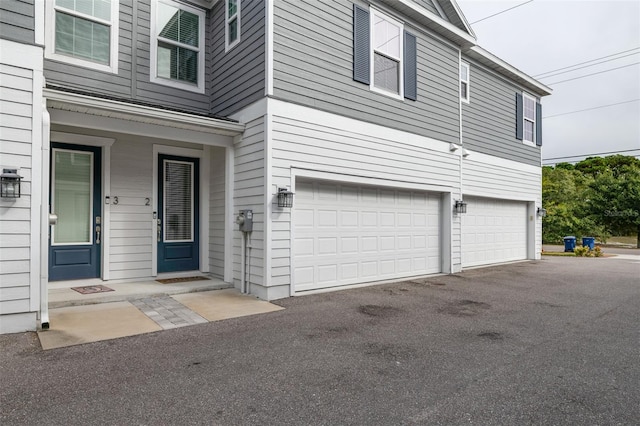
569 243
589 242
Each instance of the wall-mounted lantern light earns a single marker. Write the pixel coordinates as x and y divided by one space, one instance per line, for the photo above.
541 212
460 207
10 183
285 198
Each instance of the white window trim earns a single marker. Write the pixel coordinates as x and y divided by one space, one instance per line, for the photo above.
372 87
524 119
468 80
153 39
50 37
228 46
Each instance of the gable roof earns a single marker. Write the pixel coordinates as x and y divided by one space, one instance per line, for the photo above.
456 29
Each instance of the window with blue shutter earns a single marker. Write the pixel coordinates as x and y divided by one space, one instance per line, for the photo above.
361 44
538 124
380 42
519 117
410 67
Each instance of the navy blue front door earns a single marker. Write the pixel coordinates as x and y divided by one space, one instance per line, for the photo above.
74 242
178 218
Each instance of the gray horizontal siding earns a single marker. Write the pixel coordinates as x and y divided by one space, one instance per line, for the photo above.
427 4
313 44
17 21
489 120
238 76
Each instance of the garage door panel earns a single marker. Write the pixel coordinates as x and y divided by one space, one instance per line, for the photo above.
379 233
493 231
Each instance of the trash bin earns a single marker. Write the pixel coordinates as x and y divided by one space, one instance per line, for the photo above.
569 243
589 242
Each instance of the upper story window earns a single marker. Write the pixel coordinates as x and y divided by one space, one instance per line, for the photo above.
529 117
464 82
386 48
177 45
528 120
83 32
232 23
384 54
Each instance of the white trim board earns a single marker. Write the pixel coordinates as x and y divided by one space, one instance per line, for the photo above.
334 121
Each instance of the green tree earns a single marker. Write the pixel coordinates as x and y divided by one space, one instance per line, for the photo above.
614 197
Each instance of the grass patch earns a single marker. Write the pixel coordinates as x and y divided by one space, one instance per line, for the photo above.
558 253
632 240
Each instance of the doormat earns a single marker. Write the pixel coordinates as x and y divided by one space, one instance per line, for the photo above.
90 289
181 280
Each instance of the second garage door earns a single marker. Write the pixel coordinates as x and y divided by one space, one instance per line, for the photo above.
493 231
346 234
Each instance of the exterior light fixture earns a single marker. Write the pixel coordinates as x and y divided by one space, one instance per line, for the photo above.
460 207
10 183
285 198
541 212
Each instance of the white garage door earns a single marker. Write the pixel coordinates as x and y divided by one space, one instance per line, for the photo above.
493 231
346 234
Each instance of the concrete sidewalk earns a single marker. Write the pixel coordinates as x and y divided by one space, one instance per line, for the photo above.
86 323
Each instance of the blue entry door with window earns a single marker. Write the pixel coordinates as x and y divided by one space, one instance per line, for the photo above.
74 242
178 218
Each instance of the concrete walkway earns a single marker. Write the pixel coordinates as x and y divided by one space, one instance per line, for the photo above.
78 323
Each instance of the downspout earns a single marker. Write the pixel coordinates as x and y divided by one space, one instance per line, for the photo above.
44 217
243 260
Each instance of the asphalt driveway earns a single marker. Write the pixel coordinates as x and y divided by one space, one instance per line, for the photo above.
549 342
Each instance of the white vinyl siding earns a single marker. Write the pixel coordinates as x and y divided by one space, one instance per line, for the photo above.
83 33
249 193
348 234
313 140
131 224
217 212
16 100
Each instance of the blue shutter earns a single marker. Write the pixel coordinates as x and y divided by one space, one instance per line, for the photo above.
519 117
538 124
361 48
410 67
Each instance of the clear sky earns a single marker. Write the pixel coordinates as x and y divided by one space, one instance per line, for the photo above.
545 35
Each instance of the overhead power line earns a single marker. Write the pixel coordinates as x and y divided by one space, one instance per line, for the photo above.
595 73
577 161
588 66
590 155
590 109
499 13
585 62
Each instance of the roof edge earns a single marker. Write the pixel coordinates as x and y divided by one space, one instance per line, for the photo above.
477 52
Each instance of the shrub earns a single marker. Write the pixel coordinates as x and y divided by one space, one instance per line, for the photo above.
597 252
581 251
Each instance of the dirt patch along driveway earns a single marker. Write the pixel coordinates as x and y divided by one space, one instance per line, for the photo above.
547 342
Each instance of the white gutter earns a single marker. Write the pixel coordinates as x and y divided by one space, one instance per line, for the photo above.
58 99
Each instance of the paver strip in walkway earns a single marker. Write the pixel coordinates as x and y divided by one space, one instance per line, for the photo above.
167 312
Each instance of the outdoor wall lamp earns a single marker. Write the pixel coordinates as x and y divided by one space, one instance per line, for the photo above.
10 183
285 198
460 207
541 212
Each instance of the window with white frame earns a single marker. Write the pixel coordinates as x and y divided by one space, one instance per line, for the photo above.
529 118
83 32
177 45
232 23
464 82
386 57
